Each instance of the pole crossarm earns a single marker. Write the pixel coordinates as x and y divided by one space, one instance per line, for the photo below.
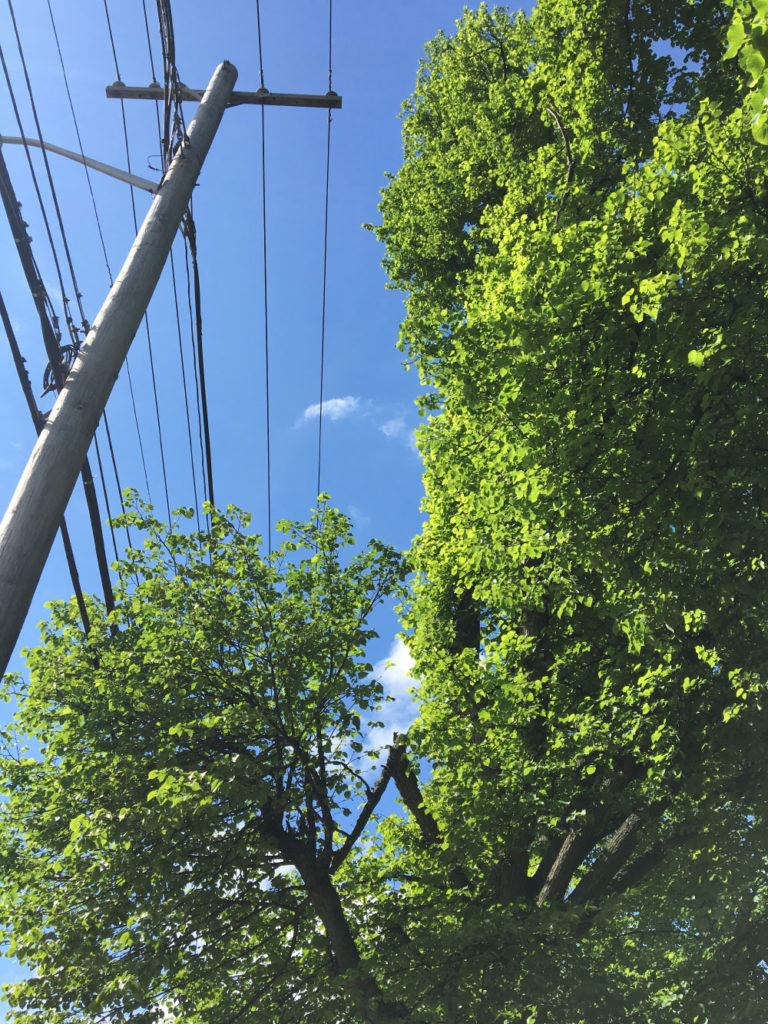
262 97
32 519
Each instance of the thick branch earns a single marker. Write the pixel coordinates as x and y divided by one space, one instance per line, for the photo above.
645 862
370 806
408 788
614 855
579 841
362 987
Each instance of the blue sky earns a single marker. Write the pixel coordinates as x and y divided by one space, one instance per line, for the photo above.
370 466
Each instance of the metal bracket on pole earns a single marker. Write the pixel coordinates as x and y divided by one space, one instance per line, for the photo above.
262 97
96 165
30 523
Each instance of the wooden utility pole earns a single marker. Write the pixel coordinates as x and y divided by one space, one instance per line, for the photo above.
30 523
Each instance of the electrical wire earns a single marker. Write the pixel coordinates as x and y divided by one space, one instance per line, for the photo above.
258 31
266 305
46 222
146 318
325 249
91 498
184 386
80 143
198 389
266 332
190 234
51 333
85 326
38 421
105 419
174 129
172 89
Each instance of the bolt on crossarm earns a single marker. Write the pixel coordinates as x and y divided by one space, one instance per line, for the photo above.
30 523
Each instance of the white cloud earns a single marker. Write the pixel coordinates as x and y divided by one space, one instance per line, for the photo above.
333 408
358 517
394 427
398 713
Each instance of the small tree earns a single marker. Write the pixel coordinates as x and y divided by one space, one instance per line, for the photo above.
203 773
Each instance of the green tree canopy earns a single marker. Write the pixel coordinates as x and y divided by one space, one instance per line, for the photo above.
580 227
203 773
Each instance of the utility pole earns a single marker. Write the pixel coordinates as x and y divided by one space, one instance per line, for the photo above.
30 523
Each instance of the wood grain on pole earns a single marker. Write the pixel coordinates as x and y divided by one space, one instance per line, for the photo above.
33 516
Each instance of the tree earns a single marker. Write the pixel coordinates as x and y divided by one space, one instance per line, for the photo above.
580 227
201 778
748 40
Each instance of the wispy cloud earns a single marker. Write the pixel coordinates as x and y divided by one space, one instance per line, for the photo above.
358 517
394 427
333 408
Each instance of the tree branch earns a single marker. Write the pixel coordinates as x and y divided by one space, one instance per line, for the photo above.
578 841
569 160
615 854
370 806
408 788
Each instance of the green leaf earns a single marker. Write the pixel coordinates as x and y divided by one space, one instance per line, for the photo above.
736 36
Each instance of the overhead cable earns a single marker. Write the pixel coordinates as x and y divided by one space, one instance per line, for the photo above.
105 420
91 498
184 386
266 307
198 390
325 251
50 329
172 94
38 421
145 318
190 234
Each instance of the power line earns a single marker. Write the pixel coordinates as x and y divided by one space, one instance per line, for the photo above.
49 324
167 136
184 386
258 30
80 143
198 390
173 131
85 326
266 344
37 419
266 306
325 250
146 318
111 282
91 499
43 211
190 234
